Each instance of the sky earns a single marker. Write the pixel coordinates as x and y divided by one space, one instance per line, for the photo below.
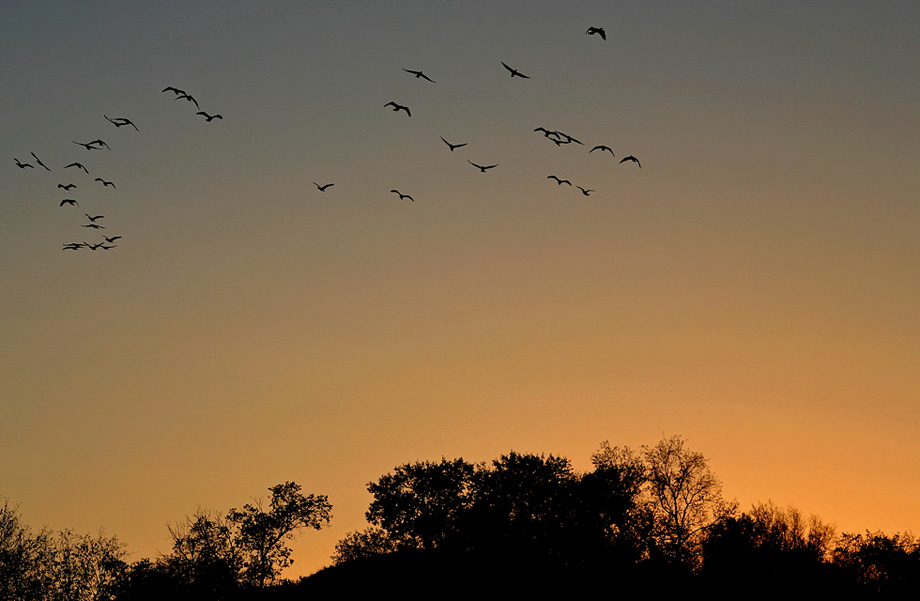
751 287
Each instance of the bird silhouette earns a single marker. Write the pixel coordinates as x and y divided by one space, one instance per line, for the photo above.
559 181
209 117
570 138
23 165
418 74
69 201
453 146
88 146
112 239
323 188
398 107
602 148
597 30
104 182
119 121
100 143
39 161
547 133
633 159
401 195
74 245
585 192
481 167
95 226
514 71
68 187
93 218
75 164
172 89
188 97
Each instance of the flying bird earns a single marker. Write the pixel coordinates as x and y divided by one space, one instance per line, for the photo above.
172 89
104 182
188 97
597 30
547 133
602 148
74 245
209 117
119 121
88 146
515 71
570 138
418 74
95 226
68 187
23 165
93 218
100 143
75 164
398 107
481 167
633 159
401 195
69 201
322 188
559 181
39 161
585 192
112 239
453 146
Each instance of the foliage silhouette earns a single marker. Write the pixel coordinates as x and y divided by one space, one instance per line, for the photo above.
233 556
55 566
779 549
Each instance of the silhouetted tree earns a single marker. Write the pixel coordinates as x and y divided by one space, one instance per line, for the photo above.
685 496
261 533
85 567
525 505
23 557
613 493
215 557
881 564
363 544
775 548
419 505
61 566
205 559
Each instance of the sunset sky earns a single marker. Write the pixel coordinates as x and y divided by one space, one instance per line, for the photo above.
753 287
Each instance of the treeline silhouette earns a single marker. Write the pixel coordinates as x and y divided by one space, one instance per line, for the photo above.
651 521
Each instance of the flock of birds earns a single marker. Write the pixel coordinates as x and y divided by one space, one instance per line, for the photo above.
559 138
93 221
